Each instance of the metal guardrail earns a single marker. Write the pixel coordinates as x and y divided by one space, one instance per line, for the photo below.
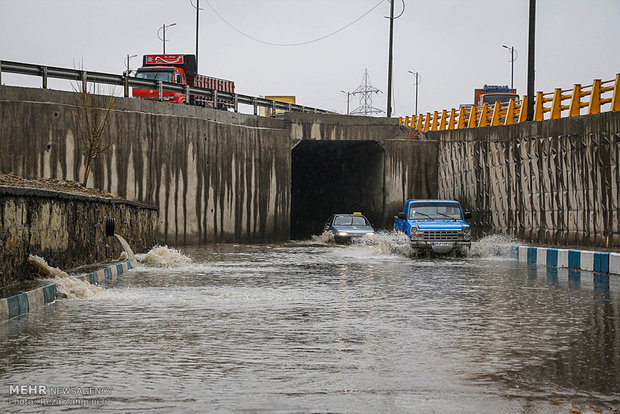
514 111
83 76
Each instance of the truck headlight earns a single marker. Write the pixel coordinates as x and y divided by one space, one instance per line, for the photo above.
342 233
370 234
416 233
467 233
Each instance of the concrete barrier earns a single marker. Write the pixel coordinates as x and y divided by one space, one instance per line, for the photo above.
599 262
23 303
32 300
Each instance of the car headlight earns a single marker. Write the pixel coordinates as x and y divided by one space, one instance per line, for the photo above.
342 233
370 233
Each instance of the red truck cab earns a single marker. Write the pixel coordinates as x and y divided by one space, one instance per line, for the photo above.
165 68
182 69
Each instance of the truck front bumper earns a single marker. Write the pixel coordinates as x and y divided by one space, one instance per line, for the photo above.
440 246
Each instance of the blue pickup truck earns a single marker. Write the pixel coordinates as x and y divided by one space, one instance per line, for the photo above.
436 226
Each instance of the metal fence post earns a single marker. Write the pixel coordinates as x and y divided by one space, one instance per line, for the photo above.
84 86
44 76
215 98
187 94
126 85
0 73
236 102
160 90
255 106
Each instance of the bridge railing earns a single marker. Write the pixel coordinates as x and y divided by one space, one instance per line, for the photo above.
83 77
551 105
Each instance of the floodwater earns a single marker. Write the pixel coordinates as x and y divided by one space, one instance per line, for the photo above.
315 327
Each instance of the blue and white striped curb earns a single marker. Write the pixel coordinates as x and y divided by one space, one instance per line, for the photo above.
32 300
600 262
27 302
109 273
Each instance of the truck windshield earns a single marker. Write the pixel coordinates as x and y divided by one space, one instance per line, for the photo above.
435 211
158 75
491 98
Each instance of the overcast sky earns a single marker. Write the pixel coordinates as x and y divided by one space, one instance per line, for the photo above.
455 45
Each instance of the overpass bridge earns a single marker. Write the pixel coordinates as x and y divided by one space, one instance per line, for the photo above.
226 176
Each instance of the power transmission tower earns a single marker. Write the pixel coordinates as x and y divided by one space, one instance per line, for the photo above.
365 91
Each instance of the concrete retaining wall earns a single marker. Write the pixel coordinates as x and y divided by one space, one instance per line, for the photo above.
410 165
215 175
411 171
66 229
555 181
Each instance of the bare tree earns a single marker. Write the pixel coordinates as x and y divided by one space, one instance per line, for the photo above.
92 121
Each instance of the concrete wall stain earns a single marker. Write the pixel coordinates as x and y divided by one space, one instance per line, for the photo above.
220 176
151 164
552 181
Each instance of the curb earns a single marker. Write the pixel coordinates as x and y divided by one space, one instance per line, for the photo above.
108 273
32 300
599 262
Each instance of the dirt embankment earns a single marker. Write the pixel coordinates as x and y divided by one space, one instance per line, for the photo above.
13 180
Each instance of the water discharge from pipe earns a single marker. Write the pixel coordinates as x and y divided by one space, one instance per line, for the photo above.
127 249
68 286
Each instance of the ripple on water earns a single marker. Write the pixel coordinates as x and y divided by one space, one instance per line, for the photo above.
319 327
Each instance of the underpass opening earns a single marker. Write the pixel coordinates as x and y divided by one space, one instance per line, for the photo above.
335 177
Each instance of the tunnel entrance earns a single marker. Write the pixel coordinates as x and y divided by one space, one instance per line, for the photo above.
335 177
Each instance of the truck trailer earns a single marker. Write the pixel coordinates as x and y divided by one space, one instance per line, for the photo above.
181 69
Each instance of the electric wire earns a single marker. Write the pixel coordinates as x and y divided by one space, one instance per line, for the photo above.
291 44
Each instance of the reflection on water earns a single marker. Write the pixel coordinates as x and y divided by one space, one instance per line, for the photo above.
312 326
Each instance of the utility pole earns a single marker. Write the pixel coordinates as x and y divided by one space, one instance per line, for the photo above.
389 91
417 81
530 62
197 15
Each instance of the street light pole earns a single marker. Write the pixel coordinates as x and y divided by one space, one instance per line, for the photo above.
163 29
512 64
416 83
129 57
348 95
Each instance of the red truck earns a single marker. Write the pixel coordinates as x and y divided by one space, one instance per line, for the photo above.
180 69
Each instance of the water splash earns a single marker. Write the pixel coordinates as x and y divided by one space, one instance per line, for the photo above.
127 248
68 286
326 237
494 245
388 242
164 256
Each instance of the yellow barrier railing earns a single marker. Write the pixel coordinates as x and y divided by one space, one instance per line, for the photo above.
548 105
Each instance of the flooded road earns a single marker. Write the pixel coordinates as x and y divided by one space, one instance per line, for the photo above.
304 327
